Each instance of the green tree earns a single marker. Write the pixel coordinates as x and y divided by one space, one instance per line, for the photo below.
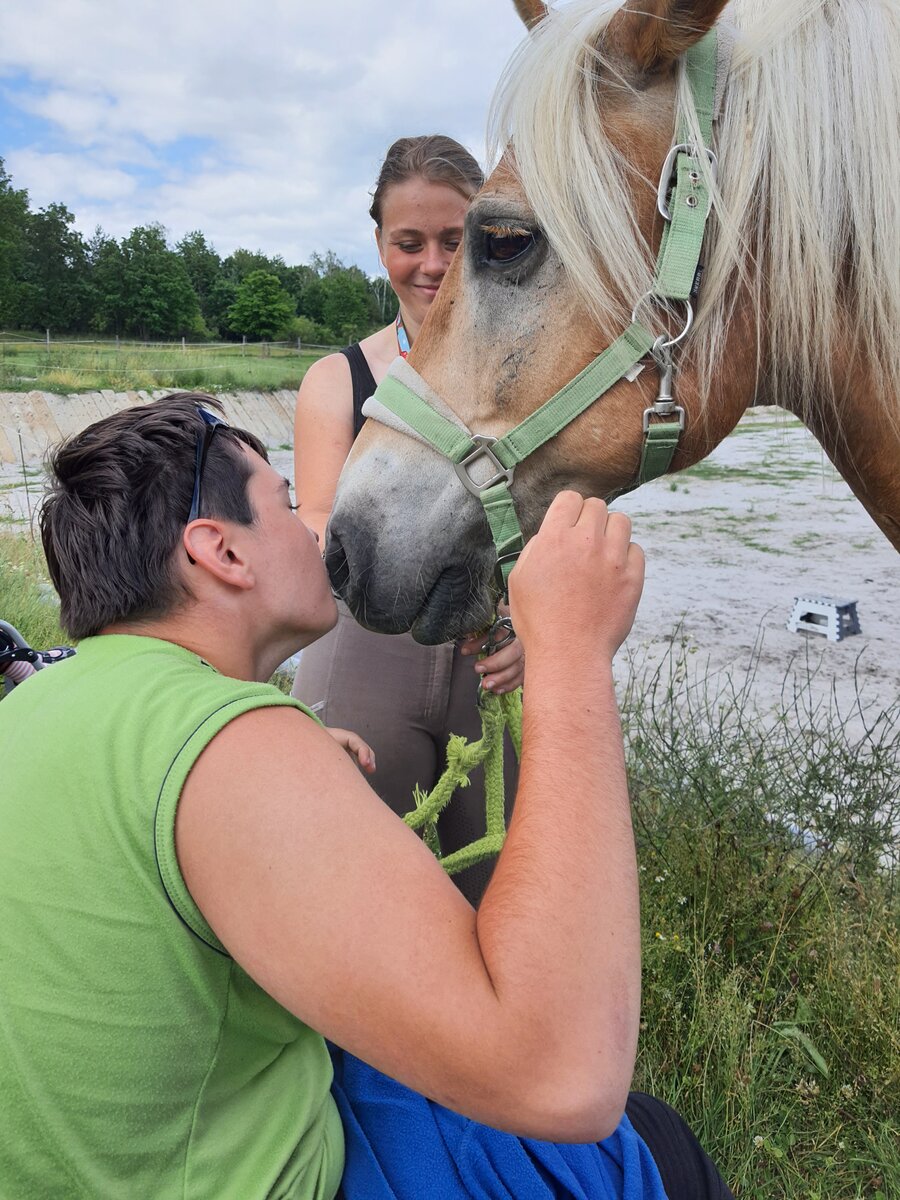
384 302
204 268
219 301
54 292
13 219
300 282
106 283
158 297
241 263
345 306
262 308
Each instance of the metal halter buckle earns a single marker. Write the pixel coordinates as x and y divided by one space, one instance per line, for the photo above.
665 407
502 559
483 443
500 634
668 171
665 413
664 341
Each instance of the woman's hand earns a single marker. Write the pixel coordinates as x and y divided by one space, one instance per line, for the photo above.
361 752
502 671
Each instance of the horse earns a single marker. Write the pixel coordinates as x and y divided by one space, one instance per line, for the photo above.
798 302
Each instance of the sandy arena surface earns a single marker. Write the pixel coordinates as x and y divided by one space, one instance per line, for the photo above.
729 546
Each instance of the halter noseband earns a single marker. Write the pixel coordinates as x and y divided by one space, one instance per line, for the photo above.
485 464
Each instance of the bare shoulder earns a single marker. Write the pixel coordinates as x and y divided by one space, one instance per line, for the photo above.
380 349
326 380
273 750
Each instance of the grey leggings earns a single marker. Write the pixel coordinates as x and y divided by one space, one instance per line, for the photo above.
405 700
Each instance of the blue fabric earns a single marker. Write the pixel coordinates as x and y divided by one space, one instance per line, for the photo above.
401 1146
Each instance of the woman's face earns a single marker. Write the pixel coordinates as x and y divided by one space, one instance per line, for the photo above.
421 227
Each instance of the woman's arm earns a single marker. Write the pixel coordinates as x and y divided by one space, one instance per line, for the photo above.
323 435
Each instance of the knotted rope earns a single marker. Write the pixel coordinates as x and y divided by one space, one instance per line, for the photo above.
497 714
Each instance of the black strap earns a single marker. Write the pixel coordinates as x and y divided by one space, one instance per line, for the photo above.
363 383
686 1170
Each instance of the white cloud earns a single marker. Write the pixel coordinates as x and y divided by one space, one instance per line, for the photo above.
292 107
54 176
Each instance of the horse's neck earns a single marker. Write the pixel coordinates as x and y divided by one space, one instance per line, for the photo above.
862 439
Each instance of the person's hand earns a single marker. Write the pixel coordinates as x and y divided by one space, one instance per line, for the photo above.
504 670
577 583
361 752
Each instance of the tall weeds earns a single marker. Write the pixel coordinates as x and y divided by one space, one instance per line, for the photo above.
768 859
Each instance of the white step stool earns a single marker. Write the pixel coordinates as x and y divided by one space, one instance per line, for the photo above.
837 619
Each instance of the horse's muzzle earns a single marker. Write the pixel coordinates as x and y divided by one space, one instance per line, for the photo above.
437 609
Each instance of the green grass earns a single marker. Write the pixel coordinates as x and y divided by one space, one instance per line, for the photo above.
88 367
27 599
770 914
787 421
773 473
771 920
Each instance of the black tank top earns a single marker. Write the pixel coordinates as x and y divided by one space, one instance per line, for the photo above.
363 383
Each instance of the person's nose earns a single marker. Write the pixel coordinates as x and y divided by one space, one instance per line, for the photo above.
435 262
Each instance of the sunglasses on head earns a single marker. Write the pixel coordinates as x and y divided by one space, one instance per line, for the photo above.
204 440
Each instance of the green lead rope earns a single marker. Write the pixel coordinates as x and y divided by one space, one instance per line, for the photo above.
497 714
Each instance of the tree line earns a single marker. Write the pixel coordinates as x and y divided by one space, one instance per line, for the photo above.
51 277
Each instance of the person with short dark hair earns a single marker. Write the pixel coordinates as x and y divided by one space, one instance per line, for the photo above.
198 885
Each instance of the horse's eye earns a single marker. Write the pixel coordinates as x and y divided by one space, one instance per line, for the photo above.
502 246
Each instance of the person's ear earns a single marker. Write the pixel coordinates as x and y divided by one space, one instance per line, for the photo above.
215 548
380 246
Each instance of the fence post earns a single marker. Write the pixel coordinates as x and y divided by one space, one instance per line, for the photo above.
117 343
48 341
244 346
299 346
182 346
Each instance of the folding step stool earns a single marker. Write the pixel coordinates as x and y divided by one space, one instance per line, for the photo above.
837 619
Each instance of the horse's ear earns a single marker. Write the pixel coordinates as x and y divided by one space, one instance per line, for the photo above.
654 33
532 12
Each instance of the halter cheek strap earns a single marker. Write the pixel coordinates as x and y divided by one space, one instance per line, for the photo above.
486 464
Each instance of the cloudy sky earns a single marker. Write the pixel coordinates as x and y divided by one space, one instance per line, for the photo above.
261 123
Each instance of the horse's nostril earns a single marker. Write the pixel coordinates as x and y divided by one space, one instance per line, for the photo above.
336 562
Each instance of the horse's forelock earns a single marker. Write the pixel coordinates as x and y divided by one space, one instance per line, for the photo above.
808 214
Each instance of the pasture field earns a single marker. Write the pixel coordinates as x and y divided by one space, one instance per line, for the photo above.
87 366
765 779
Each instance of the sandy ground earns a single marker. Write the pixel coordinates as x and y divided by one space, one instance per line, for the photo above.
729 546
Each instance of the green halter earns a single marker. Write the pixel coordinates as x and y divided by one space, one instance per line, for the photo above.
684 203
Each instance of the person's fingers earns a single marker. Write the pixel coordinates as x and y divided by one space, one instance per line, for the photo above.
506 656
564 511
593 516
503 681
472 644
360 751
617 536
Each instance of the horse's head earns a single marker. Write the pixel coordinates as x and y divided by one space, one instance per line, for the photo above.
559 249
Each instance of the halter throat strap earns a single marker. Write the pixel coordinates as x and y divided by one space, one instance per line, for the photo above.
485 464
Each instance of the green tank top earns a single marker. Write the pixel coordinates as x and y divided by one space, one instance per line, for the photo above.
137 1059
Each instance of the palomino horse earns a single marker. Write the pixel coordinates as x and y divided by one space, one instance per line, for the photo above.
799 303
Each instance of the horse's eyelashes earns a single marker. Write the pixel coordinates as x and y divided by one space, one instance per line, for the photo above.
505 243
506 230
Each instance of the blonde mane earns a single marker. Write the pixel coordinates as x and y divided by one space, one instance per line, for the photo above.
806 213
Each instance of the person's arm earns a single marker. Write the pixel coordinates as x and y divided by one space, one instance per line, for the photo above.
323 436
523 1016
